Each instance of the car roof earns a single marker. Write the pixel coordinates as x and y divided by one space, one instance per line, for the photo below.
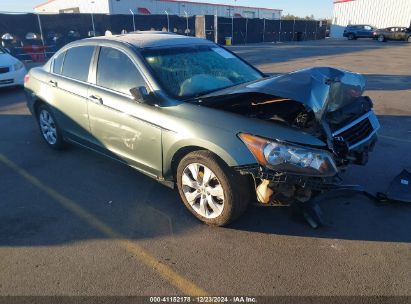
152 39
352 25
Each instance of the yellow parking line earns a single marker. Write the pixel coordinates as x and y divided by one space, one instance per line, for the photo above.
175 279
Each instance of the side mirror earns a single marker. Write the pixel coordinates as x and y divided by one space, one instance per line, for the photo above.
141 94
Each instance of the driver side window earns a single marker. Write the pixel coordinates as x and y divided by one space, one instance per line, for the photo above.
116 71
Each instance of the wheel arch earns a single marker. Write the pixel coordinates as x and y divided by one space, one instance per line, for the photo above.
172 156
37 103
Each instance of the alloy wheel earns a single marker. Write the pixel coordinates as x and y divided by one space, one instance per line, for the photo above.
48 127
203 190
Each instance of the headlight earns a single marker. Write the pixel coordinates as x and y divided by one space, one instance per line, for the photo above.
18 65
290 158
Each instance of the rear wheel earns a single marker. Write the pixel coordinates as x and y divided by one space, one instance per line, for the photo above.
409 39
212 191
49 128
381 38
351 36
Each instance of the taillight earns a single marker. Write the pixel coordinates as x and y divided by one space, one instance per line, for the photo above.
26 78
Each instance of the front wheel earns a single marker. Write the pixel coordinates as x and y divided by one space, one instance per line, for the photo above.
409 39
381 38
351 37
49 128
212 191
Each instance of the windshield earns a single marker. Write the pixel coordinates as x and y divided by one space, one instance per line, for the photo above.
191 71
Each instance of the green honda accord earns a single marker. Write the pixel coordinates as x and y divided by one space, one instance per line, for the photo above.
194 116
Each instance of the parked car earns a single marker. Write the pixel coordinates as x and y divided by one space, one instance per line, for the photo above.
353 32
394 33
192 114
12 70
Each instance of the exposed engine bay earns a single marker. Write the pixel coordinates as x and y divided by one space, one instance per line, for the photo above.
324 102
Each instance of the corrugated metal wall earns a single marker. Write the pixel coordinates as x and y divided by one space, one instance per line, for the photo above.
379 13
178 8
91 6
157 7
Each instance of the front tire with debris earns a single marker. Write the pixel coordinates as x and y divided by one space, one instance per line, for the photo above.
212 191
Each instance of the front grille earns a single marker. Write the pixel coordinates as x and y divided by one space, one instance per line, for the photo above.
4 70
359 131
6 81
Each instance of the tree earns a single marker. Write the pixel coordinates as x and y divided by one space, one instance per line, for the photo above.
292 17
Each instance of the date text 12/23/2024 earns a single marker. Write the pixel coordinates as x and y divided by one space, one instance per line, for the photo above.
186 299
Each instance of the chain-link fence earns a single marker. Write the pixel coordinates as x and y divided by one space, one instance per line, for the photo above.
35 37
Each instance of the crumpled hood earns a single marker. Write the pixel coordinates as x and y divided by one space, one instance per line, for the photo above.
323 89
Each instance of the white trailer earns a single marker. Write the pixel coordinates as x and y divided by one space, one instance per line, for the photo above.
146 7
378 13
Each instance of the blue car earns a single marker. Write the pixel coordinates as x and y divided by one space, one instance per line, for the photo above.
353 32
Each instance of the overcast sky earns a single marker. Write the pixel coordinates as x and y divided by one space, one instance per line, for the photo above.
319 8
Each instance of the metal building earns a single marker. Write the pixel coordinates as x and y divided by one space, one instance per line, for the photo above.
378 13
146 7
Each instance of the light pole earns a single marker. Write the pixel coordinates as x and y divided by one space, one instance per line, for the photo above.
92 20
232 22
279 36
134 23
187 22
168 21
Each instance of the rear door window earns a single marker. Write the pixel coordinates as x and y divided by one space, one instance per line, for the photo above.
116 71
77 62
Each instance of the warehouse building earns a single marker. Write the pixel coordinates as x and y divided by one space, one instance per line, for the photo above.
378 13
148 7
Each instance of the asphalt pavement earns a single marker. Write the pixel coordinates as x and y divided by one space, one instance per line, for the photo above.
76 223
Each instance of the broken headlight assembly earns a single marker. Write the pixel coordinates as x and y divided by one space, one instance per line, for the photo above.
290 158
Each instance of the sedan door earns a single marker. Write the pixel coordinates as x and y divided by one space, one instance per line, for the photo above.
118 122
367 31
400 33
391 33
68 91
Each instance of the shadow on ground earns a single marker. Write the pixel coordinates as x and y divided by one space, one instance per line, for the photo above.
307 49
377 82
138 207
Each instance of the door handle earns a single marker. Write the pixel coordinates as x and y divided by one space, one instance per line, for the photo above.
53 83
96 99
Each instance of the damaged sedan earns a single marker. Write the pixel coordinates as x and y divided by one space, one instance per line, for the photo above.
194 116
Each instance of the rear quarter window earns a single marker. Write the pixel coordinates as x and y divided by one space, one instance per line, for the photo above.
58 63
77 62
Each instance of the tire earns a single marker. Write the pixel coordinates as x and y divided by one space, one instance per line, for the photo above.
49 128
409 39
231 190
351 37
381 38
